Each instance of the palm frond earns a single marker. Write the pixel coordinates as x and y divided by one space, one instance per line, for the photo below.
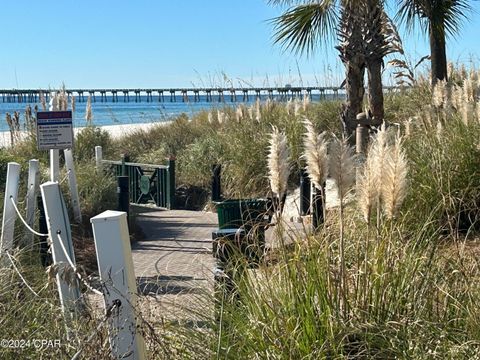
442 15
302 27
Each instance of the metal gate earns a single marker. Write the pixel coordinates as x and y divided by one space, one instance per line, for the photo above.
148 183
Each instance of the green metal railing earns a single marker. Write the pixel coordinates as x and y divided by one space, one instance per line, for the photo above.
148 183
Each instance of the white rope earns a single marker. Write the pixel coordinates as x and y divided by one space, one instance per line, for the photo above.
70 262
19 274
23 220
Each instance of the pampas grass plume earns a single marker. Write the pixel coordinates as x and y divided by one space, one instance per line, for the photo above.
439 95
41 97
220 117
239 114
315 154
341 166
53 106
394 183
258 115
88 111
368 188
278 162
306 102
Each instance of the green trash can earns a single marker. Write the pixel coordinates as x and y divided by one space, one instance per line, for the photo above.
246 213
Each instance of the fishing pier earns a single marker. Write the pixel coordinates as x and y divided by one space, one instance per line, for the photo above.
175 94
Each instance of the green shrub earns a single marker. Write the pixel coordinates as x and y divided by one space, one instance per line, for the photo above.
196 161
86 140
97 191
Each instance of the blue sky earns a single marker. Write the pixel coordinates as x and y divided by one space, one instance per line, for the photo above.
151 43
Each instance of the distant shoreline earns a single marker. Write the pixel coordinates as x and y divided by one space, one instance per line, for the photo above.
115 131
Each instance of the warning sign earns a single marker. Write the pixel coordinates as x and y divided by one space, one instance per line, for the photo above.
54 130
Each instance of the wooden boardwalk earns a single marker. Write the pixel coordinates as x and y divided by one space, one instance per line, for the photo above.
175 255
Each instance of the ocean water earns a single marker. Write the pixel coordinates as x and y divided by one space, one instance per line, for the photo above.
116 113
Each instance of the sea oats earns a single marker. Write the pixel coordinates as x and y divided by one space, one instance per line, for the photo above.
278 162
315 154
73 102
394 187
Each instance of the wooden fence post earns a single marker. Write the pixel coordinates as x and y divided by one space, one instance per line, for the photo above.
60 236
72 183
31 198
115 264
54 164
9 213
98 158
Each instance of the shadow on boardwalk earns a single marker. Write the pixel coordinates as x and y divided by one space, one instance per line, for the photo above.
176 245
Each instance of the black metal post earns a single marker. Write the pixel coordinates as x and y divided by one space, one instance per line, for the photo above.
317 211
123 195
125 159
216 182
305 192
171 183
45 256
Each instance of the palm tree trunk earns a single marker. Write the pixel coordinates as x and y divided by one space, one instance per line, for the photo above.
438 53
375 90
354 86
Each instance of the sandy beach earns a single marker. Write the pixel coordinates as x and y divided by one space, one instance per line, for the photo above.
115 131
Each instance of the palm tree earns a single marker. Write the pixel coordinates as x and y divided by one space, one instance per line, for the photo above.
440 18
380 38
364 33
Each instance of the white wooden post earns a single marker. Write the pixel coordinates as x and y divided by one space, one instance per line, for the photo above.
98 157
58 224
9 213
31 199
115 264
72 183
54 164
